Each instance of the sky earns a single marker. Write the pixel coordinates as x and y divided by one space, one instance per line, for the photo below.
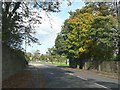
50 27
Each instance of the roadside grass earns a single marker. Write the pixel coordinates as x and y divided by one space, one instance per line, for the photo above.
50 63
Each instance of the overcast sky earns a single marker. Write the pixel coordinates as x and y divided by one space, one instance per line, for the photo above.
47 33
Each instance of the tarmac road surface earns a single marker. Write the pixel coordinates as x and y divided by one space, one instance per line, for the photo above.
49 76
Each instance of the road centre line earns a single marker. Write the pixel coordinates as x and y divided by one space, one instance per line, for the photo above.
102 86
86 79
70 74
81 77
76 76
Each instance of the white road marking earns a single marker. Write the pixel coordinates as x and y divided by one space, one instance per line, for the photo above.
76 76
102 86
81 77
86 79
70 74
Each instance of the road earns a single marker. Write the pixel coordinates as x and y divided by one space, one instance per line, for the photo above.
49 76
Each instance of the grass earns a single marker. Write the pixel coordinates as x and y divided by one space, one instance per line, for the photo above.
50 63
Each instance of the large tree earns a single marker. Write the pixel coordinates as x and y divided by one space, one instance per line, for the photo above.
104 38
18 19
36 55
78 41
91 32
60 44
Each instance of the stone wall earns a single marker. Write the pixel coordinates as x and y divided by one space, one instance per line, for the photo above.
13 61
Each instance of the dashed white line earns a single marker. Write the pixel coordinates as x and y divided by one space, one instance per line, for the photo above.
86 79
76 76
102 86
81 77
70 74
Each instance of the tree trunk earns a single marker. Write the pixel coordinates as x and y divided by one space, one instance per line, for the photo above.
81 64
66 61
72 62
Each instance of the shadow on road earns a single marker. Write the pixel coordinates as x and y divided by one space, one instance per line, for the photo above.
48 76
56 77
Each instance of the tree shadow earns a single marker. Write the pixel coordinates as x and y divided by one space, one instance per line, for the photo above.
56 77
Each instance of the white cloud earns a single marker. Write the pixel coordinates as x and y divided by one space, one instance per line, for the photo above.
46 32
50 26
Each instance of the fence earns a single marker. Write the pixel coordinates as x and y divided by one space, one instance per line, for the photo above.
107 66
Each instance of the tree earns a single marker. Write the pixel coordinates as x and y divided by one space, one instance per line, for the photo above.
105 19
14 29
52 51
19 17
104 36
91 33
56 56
29 56
78 41
36 55
60 44
42 57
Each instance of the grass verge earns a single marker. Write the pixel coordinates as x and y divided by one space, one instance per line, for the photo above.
50 63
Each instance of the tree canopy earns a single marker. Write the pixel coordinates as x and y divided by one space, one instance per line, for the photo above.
91 32
18 19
